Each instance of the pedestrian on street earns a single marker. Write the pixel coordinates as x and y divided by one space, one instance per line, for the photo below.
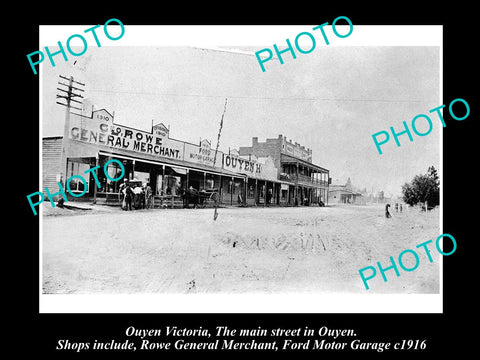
387 213
138 198
121 194
129 195
148 196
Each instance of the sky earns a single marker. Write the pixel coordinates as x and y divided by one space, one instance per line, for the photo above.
331 100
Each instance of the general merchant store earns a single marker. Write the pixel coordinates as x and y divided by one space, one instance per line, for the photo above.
283 177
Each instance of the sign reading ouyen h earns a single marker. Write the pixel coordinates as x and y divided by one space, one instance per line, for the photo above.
240 165
251 168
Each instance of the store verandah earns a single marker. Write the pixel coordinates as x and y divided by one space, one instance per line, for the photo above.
168 182
269 193
311 195
311 181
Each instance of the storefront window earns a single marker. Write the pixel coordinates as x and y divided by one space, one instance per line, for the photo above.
262 191
144 177
210 183
171 185
237 188
114 171
159 187
76 184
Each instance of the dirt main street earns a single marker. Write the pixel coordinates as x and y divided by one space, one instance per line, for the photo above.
247 250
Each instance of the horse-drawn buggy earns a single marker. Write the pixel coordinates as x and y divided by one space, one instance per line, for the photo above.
198 199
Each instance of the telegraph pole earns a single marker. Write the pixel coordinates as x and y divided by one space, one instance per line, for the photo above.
69 94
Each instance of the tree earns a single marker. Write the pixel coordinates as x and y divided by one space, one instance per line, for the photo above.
423 188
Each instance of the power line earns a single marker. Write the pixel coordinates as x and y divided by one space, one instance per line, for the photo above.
70 94
65 98
255 97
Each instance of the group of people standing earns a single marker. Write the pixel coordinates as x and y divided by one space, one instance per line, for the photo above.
387 212
133 193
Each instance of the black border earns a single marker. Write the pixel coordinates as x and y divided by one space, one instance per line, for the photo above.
446 333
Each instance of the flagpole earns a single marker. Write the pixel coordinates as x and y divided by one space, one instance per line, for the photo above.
215 213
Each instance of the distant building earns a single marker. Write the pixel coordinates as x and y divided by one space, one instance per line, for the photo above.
344 194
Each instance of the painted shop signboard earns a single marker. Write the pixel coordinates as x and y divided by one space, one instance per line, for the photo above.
239 165
202 154
296 150
253 169
101 130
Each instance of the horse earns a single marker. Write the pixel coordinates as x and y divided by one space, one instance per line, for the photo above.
189 196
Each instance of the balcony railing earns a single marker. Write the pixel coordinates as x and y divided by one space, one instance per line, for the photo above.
303 179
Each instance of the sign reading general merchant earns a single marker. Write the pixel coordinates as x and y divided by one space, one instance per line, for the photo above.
100 130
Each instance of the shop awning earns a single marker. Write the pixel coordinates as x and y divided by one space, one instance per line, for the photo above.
174 163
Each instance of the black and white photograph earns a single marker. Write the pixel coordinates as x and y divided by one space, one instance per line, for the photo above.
257 183
208 170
